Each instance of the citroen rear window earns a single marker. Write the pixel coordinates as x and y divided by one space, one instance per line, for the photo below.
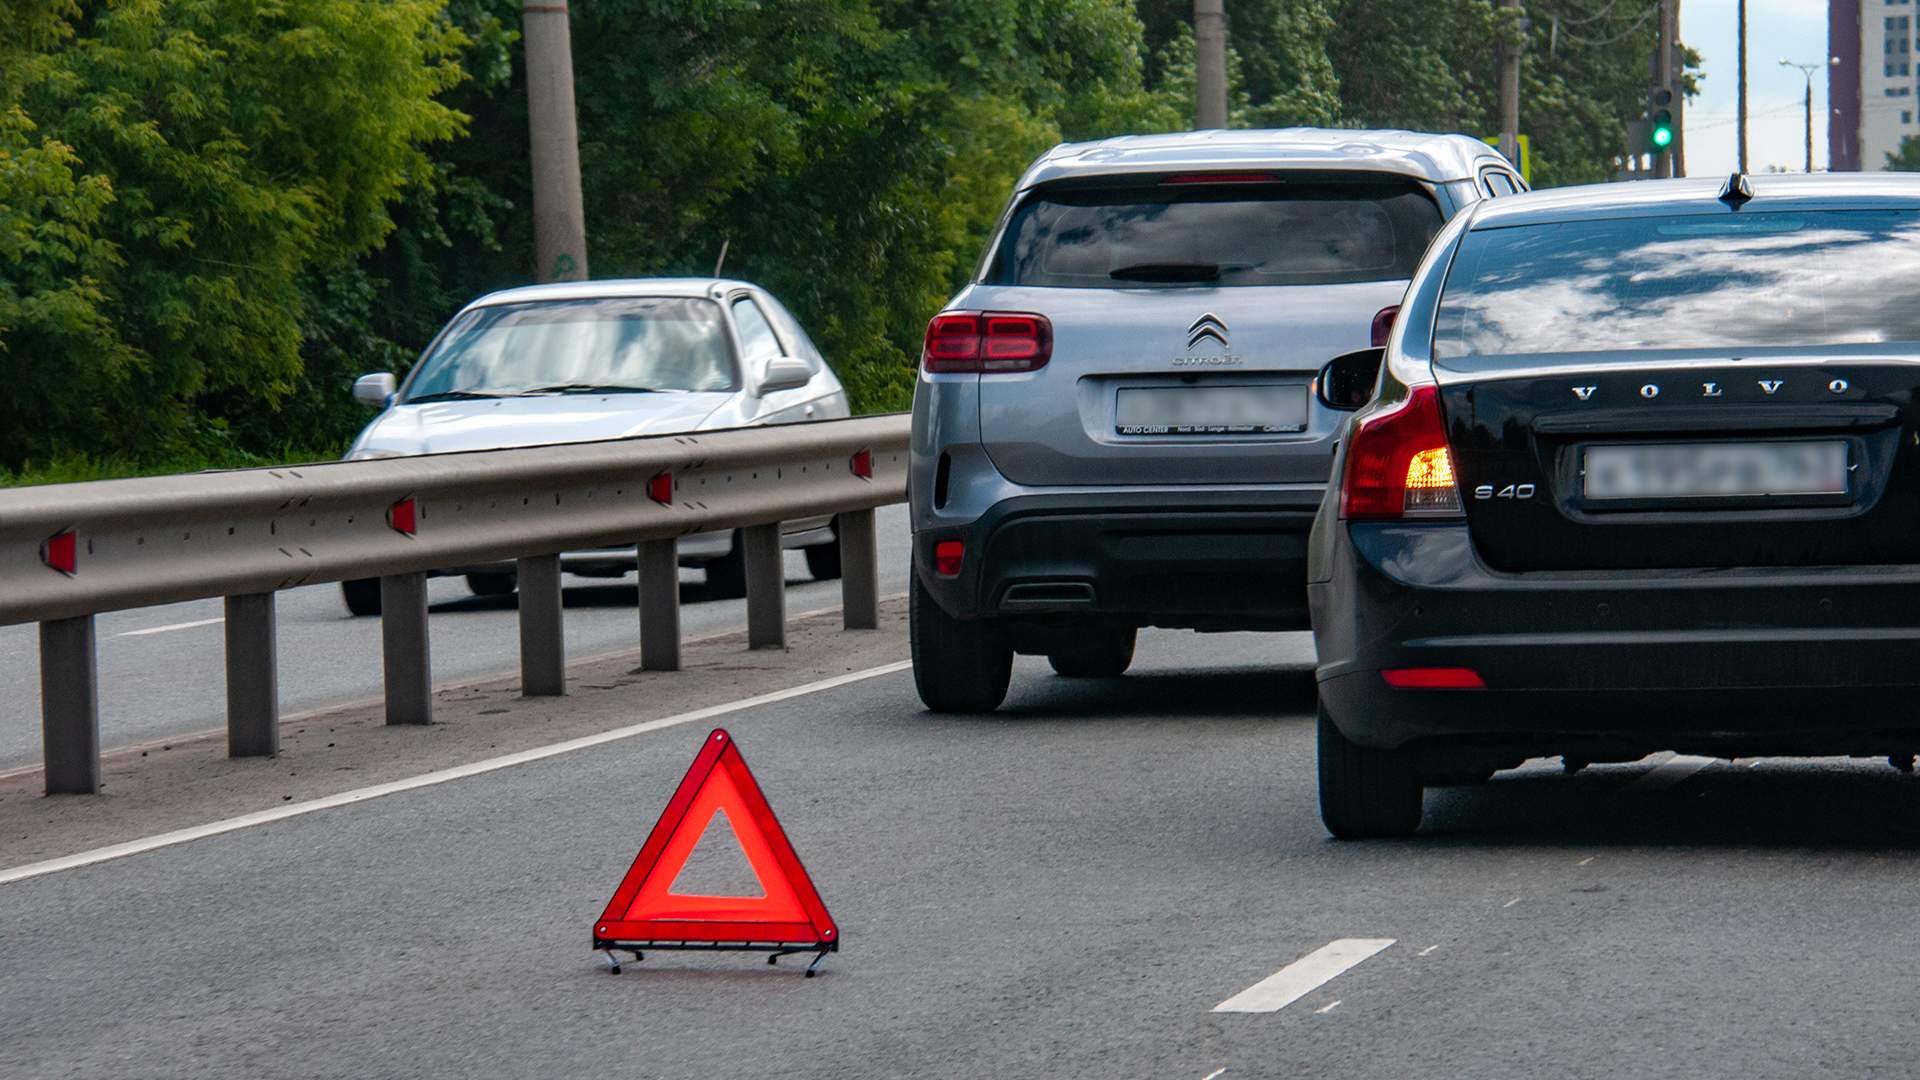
1181 233
1712 281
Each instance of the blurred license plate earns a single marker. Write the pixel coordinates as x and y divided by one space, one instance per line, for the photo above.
1716 470
1211 410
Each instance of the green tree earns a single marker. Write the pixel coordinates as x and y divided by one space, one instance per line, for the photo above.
1907 159
219 151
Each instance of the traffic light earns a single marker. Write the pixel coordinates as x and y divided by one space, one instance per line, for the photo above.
1659 120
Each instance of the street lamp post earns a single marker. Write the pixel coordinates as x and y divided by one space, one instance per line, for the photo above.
1808 70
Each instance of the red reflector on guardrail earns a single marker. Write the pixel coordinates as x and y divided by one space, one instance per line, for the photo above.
863 464
660 489
61 552
403 516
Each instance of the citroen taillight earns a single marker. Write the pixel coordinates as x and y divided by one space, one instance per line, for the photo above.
988 342
1398 463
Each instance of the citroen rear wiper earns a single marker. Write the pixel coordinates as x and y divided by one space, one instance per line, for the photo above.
1167 271
588 388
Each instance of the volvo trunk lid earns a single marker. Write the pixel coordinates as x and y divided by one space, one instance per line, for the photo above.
1687 391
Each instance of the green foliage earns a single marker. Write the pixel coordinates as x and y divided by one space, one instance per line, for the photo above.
229 148
1908 157
215 213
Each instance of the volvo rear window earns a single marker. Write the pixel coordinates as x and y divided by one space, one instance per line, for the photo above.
1712 281
1308 232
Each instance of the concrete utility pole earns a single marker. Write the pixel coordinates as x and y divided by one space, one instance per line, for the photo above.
1509 54
1743 86
559 219
1209 64
1666 73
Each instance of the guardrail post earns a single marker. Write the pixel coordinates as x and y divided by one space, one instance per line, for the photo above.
766 586
543 640
406 658
660 605
70 706
859 571
253 682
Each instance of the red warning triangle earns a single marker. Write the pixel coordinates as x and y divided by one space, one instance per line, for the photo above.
644 909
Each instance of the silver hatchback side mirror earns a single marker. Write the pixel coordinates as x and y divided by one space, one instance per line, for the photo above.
1347 382
375 390
784 373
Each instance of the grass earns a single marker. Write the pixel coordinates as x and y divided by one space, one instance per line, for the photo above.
75 469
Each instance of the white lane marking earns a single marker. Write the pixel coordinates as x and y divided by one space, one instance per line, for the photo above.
1511 902
1584 861
458 772
170 741
1669 773
171 626
1426 950
1303 976
1327 1009
1213 1075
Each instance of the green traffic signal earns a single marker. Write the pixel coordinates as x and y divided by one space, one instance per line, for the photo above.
1660 118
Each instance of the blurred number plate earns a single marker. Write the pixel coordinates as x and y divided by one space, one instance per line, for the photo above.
1211 410
1716 470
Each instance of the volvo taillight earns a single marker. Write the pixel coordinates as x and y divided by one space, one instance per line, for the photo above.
1398 463
988 342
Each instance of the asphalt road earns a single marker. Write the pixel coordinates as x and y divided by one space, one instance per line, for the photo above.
1067 888
162 674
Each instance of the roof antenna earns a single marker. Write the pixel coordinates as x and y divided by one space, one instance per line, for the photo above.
1737 191
722 260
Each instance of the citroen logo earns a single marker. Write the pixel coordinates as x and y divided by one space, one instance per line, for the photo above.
1207 326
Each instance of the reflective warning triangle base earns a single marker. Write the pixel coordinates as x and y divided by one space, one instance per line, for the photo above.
646 914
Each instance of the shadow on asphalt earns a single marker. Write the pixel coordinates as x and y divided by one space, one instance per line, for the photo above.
1778 805
583 596
1265 691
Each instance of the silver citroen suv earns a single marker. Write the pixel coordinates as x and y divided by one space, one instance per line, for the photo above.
1116 423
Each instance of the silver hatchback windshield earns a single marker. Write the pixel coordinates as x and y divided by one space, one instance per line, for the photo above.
622 344
1708 281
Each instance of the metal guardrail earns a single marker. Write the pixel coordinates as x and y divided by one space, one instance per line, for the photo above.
70 551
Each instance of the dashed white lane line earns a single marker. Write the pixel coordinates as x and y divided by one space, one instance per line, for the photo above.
1214 1075
1426 950
1303 976
170 626
458 772
1325 1009
1511 902
1669 773
1584 861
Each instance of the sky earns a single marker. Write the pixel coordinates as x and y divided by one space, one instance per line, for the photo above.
1776 123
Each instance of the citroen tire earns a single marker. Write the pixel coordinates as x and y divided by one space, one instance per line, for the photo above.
959 666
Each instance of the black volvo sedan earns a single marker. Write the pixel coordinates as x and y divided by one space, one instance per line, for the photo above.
1640 471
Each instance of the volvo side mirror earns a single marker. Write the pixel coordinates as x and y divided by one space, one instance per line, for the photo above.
1347 382
375 390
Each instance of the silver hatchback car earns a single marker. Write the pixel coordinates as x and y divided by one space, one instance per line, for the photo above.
1116 423
579 361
